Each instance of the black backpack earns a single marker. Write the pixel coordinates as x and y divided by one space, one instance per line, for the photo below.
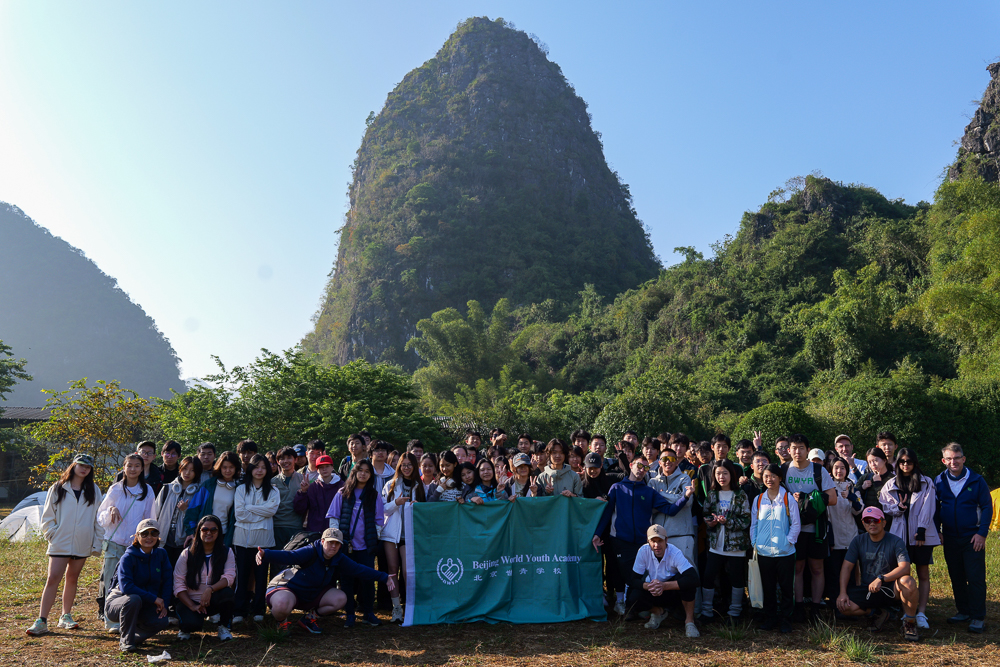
303 538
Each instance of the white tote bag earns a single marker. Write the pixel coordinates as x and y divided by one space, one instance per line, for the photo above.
754 585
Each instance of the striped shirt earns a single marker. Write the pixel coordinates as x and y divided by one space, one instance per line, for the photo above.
132 510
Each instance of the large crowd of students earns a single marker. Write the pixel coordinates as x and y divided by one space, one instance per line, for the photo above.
685 529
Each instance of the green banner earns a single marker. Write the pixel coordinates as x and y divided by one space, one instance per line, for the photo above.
527 561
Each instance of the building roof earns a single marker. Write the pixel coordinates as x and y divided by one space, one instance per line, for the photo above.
25 414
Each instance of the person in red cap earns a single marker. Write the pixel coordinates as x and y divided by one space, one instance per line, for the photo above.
313 499
882 578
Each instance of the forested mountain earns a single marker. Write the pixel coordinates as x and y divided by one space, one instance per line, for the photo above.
69 320
481 178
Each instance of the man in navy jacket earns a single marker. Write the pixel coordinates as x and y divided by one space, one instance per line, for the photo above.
964 512
630 513
312 588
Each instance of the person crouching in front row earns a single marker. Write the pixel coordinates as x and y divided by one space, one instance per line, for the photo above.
667 578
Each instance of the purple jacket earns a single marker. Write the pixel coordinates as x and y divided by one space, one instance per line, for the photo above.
316 501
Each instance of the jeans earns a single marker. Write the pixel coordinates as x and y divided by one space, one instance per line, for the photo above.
775 572
365 588
222 603
246 567
139 620
967 569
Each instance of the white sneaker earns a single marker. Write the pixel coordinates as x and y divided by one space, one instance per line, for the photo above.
237 619
397 615
620 607
224 634
214 618
922 621
183 636
112 628
173 620
691 630
654 621
259 618
66 621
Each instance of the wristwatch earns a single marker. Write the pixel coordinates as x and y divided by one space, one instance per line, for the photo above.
881 578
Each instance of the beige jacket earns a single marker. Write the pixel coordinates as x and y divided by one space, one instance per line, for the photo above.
71 527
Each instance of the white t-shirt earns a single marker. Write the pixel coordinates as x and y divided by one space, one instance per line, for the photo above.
725 502
801 481
672 563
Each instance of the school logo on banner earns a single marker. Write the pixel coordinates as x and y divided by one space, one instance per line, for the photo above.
450 571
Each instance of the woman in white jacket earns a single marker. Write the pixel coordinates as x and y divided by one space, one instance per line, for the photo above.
403 488
911 499
255 504
69 525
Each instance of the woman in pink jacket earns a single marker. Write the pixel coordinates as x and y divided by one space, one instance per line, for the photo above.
203 581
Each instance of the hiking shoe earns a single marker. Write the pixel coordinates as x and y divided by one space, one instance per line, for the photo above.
785 626
878 619
309 624
691 630
397 615
350 620
770 623
285 627
960 618
620 607
910 632
66 622
371 619
183 636
654 621
977 626
215 618
225 634
38 628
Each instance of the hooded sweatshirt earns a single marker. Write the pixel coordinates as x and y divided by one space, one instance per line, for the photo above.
671 487
564 479
629 510
147 575
316 500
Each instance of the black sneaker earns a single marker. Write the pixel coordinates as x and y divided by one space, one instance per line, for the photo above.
372 620
878 619
786 626
770 623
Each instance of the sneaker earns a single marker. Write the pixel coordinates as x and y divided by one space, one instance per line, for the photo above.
691 630
910 632
38 628
654 621
644 615
112 628
237 619
922 621
309 624
214 618
785 626
770 623
620 607
372 620
977 626
285 627
705 619
173 620
225 634
350 621
66 622
878 619
183 636
258 618
960 618
397 615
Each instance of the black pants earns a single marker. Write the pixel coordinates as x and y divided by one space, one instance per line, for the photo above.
222 603
613 581
734 566
625 554
247 568
646 600
775 572
831 572
967 569
364 588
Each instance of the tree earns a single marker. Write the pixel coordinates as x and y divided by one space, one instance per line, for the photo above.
104 421
11 370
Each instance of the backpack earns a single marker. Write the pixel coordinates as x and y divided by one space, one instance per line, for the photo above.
303 538
808 512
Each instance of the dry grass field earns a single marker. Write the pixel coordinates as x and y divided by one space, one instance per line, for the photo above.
581 643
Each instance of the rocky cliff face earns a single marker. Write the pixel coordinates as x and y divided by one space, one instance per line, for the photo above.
980 149
481 178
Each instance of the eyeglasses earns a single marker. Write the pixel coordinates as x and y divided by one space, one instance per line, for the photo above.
870 520
208 529
905 462
150 533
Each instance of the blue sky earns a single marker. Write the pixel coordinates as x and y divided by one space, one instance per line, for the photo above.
200 152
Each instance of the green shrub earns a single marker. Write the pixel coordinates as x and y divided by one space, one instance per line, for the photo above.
656 401
773 420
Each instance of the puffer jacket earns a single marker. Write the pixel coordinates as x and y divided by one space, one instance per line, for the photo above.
71 527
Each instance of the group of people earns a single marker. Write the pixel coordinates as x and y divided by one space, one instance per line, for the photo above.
223 537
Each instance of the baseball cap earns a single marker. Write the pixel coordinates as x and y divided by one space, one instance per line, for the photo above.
873 512
843 436
147 524
85 459
332 535
656 530
300 450
324 460
593 460
817 454
522 460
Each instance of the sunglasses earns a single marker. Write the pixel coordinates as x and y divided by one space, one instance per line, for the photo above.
150 533
642 466
869 520
669 459
907 462
209 529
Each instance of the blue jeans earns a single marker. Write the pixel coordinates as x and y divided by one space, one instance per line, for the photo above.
967 568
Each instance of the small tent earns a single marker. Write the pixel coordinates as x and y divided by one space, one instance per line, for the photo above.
22 525
31 501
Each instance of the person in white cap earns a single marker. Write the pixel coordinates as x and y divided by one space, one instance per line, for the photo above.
311 587
667 579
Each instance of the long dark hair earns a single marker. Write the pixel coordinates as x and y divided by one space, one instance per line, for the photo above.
479 477
351 485
879 454
134 456
265 485
196 554
231 457
414 481
733 475
88 484
457 475
910 483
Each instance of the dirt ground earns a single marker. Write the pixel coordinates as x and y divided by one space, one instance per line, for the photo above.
580 643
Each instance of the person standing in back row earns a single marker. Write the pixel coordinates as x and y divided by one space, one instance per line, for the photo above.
965 513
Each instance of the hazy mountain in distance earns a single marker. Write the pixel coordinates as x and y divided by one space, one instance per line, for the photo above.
70 320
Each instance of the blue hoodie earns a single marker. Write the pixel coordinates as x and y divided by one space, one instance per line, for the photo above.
630 510
147 575
315 572
969 514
